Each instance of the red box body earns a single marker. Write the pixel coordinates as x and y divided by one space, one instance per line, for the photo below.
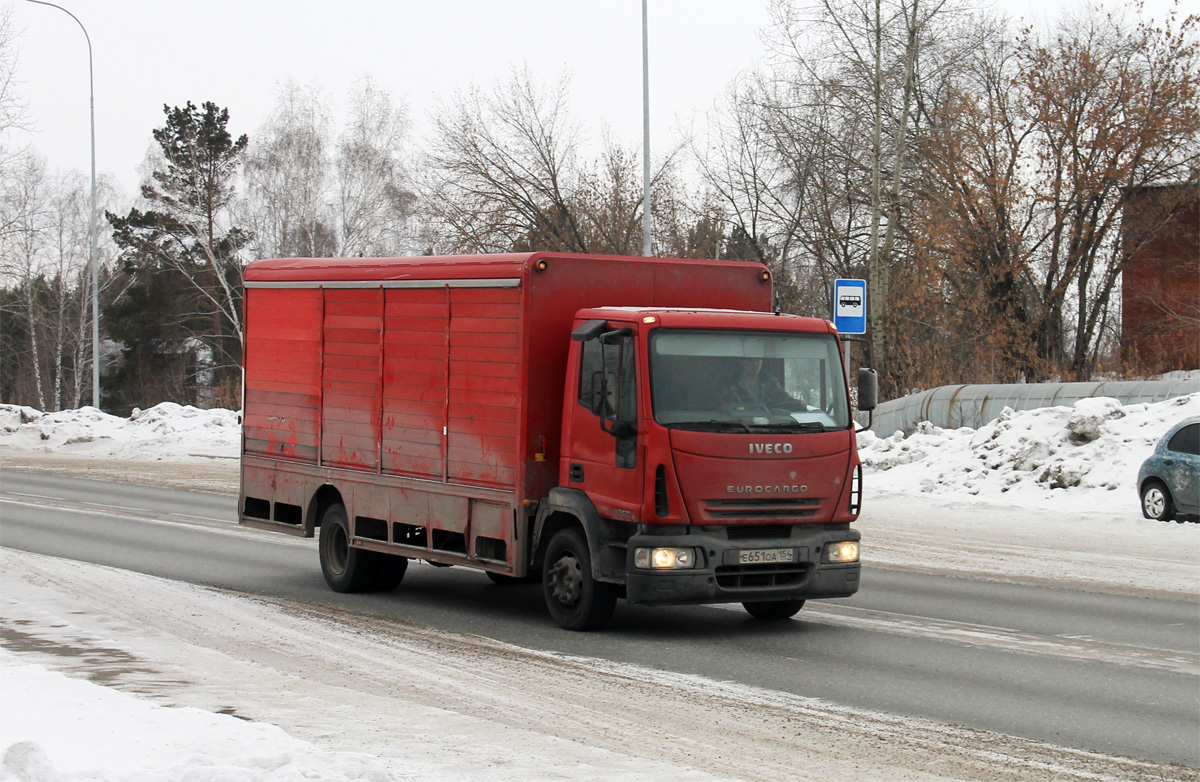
430 390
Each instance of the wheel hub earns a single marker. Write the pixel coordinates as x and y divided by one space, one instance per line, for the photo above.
566 581
339 551
1154 502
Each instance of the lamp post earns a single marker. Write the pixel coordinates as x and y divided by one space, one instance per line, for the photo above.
645 131
92 260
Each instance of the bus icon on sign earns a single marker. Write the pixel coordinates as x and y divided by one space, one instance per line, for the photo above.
853 300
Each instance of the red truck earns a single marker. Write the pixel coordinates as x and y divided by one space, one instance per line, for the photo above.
587 418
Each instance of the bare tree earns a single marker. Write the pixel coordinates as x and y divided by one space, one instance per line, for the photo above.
375 200
510 169
1111 110
288 178
811 156
505 167
23 212
12 105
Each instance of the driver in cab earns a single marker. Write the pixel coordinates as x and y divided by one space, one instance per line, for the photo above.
753 388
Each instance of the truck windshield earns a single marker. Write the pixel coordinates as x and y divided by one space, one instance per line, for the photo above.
747 381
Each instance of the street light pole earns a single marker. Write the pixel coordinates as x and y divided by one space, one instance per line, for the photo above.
92 260
645 132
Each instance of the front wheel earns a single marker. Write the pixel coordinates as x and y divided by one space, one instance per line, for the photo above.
774 610
575 599
1156 502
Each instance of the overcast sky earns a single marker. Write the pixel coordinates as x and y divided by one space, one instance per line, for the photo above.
236 53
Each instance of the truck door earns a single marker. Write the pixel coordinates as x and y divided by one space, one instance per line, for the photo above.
603 448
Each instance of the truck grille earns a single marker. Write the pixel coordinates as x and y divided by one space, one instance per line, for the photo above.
791 508
752 576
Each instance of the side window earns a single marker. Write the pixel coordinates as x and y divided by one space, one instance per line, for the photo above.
589 365
600 400
1186 440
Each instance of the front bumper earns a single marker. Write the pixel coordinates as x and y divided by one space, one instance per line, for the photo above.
717 578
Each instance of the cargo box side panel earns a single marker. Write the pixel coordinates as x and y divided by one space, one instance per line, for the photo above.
350 380
415 344
283 373
484 399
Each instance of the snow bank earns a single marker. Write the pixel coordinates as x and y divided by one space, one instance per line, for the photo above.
166 431
58 729
1080 458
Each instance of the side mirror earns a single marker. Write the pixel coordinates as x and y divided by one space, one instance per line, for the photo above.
604 393
868 389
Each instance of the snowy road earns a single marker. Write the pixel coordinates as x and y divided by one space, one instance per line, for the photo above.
1088 670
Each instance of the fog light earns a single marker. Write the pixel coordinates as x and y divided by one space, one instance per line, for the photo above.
664 558
842 552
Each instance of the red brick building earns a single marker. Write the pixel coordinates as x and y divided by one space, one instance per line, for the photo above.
1161 282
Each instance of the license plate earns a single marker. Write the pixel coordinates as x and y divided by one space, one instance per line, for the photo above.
761 556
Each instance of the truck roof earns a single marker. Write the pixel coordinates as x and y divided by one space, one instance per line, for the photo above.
449 267
699 317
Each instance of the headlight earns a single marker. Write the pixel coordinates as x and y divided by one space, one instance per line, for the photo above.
841 552
664 558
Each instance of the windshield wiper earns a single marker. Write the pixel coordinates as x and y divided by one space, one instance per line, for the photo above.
801 426
712 426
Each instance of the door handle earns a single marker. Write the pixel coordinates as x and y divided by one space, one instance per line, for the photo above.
576 473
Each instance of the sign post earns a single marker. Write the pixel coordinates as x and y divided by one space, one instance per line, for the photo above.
850 310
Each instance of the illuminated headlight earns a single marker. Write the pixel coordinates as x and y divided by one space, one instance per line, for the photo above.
841 552
664 558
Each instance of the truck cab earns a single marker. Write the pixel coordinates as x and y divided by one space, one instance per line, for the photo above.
710 455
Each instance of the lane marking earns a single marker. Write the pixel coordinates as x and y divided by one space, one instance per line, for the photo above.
1004 638
203 523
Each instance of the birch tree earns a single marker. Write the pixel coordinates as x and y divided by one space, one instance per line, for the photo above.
288 178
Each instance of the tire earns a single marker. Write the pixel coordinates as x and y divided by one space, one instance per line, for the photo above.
1156 502
774 610
389 571
345 569
575 599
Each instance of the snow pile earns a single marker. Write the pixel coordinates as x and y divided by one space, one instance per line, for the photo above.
69 730
165 431
1082 458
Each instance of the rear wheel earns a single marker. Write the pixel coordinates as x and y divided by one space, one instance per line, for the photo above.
389 571
575 599
774 610
345 569
1156 502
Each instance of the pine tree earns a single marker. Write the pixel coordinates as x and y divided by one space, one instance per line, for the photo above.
187 230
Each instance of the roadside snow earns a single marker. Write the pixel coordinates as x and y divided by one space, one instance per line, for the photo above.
1083 458
59 729
166 431
1075 459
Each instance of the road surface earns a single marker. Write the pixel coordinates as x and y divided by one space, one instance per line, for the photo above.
1092 672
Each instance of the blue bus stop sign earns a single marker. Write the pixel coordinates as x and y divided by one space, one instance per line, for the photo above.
850 306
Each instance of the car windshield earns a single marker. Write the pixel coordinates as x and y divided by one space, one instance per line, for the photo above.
747 381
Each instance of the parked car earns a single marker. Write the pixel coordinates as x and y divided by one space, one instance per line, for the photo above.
1169 481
